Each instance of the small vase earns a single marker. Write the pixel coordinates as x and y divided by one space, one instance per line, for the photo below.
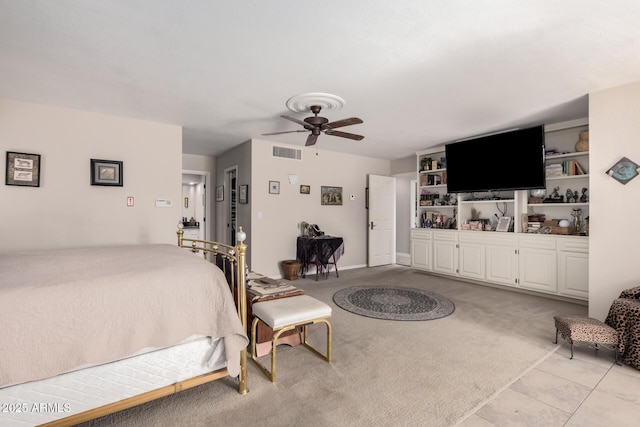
583 141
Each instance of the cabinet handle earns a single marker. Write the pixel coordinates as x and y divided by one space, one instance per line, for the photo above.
372 225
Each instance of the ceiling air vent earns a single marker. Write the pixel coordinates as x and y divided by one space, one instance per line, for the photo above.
287 152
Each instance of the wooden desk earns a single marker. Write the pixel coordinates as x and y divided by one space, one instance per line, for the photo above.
264 334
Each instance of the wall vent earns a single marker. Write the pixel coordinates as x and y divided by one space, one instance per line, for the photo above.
287 152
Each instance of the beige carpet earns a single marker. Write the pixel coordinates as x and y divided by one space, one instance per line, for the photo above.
384 373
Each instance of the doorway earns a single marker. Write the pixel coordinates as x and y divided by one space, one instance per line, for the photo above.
230 179
195 202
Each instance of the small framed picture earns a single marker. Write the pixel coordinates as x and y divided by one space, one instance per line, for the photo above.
503 223
106 172
23 169
186 202
330 195
274 187
244 194
219 193
305 189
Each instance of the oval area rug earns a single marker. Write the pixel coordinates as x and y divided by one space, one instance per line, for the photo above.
393 302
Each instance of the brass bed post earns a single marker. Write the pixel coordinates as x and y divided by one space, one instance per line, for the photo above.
242 303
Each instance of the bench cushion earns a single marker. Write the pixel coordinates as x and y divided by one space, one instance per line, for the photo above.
586 329
287 311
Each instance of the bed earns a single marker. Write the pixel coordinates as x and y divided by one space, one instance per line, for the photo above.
91 331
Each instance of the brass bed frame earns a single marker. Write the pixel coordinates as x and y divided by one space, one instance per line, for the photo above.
233 261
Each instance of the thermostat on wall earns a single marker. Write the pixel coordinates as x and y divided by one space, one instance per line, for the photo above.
164 203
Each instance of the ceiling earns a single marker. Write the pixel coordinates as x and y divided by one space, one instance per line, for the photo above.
418 73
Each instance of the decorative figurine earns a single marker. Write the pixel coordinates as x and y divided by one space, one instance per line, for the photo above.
584 198
569 195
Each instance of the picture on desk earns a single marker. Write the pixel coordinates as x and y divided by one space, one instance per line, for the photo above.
331 195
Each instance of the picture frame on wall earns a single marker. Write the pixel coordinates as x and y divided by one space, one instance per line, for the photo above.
243 196
219 193
274 187
106 172
305 189
23 169
331 195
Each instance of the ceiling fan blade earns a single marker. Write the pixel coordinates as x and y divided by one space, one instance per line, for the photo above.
287 131
311 139
344 122
300 122
344 135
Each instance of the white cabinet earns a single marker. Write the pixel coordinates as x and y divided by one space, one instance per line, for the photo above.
445 251
551 264
573 267
538 263
471 256
501 258
421 249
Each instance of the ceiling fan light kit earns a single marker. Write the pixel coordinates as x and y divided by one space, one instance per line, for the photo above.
315 102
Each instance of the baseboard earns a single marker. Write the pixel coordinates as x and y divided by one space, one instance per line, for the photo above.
403 259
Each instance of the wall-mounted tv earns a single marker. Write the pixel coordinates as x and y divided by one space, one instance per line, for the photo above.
512 160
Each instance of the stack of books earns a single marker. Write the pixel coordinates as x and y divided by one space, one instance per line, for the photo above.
260 286
534 226
555 170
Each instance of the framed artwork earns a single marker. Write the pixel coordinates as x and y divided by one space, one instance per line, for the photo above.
274 187
219 193
331 195
503 223
305 189
23 169
186 202
106 172
244 194
623 171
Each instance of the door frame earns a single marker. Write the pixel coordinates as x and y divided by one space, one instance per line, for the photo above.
207 199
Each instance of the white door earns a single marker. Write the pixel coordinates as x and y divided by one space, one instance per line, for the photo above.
382 220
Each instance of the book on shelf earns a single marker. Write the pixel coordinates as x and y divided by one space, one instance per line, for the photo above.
571 168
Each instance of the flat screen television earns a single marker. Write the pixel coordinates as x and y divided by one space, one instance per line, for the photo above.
513 160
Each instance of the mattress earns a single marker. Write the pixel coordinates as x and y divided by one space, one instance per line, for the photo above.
74 392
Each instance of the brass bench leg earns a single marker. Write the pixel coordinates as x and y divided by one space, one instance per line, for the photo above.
326 357
271 374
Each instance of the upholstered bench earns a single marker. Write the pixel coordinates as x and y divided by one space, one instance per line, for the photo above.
586 329
286 314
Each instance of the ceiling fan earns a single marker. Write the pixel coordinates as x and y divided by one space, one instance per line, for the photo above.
317 125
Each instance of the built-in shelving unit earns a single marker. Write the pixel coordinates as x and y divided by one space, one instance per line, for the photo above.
447 239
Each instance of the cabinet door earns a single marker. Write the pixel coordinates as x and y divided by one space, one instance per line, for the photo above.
445 257
538 269
502 265
421 254
573 274
471 262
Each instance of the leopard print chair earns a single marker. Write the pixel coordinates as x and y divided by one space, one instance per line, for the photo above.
624 317
588 330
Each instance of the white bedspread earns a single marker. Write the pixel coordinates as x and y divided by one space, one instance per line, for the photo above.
67 309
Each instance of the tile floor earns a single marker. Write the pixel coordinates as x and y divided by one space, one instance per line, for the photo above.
588 391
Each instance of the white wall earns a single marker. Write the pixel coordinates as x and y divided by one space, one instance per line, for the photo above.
614 132
66 211
276 218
